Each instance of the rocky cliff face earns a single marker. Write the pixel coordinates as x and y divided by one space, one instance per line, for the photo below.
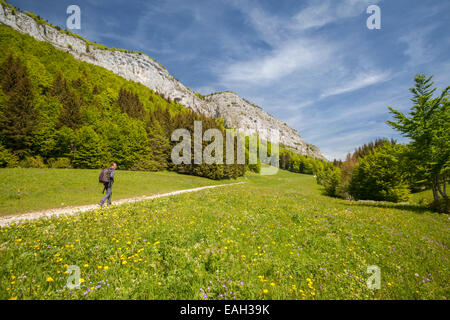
141 68
238 113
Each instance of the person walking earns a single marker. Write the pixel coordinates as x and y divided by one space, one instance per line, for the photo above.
107 178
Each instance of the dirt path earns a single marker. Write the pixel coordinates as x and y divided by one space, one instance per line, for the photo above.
7 220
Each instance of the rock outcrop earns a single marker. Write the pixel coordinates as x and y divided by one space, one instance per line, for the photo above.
240 114
138 67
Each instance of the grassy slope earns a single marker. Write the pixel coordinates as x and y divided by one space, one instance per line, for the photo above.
274 238
44 62
24 190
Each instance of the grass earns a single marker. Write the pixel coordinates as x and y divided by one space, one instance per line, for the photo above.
24 190
276 237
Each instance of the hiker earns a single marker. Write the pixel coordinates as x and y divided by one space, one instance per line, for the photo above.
107 178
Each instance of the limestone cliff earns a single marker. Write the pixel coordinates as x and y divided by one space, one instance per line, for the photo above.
240 114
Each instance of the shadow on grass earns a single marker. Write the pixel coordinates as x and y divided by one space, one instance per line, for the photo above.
391 205
407 206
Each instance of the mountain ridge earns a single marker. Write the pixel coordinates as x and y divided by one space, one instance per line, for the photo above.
237 112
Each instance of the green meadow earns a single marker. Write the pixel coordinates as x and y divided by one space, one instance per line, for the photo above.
275 237
25 190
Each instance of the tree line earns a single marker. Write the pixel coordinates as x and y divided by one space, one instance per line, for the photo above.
384 170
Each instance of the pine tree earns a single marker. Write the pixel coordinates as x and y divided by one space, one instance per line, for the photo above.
428 126
130 104
18 117
59 87
12 71
70 115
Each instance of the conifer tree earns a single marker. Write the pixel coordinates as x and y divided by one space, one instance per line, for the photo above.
18 116
70 115
130 104
428 126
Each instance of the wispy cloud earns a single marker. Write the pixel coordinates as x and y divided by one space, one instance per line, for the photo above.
320 13
358 82
314 14
418 49
292 56
294 52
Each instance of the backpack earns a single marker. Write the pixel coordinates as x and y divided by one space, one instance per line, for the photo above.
104 176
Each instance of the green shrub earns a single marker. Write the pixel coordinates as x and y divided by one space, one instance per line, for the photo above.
32 162
59 163
7 158
91 151
256 168
379 176
441 205
37 18
146 165
329 178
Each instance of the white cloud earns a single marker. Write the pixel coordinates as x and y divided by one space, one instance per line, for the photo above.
360 81
418 49
298 106
320 13
292 56
313 16
296 56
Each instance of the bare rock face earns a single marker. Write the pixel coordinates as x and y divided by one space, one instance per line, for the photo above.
138 67
240 114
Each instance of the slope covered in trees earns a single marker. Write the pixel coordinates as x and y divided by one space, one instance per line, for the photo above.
57 111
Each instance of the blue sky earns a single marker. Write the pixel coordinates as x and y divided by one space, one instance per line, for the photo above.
313 64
